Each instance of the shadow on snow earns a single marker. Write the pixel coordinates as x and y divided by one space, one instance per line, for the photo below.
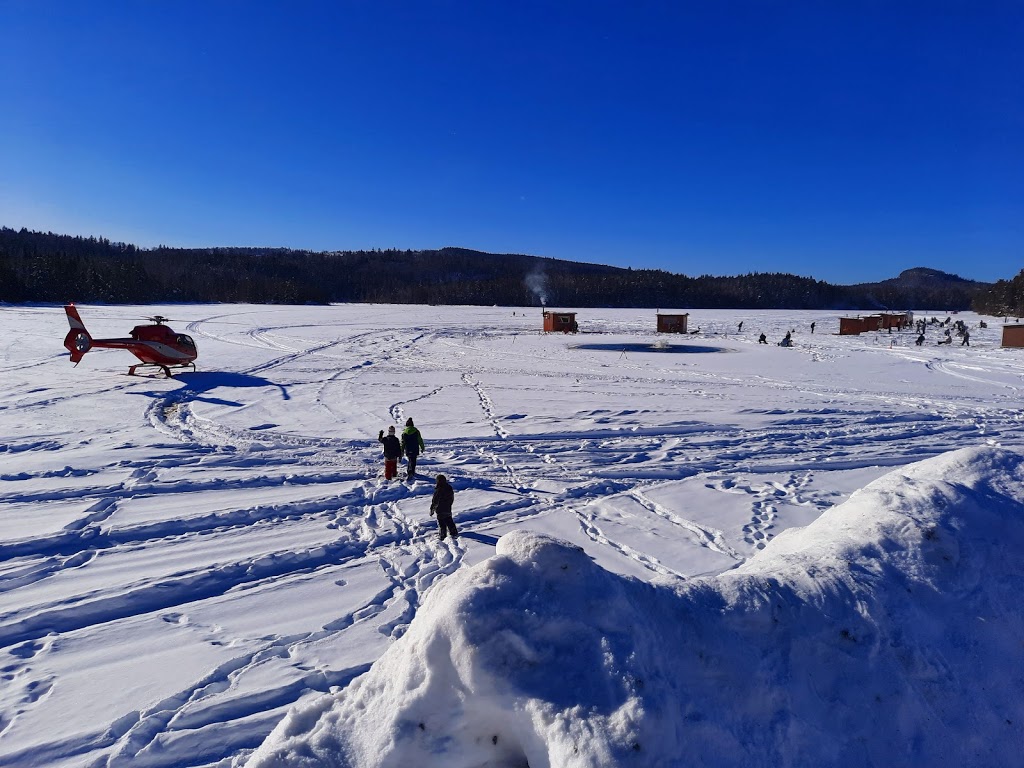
198 383
655 347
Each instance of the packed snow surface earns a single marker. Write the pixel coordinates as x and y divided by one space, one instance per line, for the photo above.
692 550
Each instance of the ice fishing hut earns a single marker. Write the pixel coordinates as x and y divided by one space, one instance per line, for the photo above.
851 326
672 323
1013 336
897 320
564 322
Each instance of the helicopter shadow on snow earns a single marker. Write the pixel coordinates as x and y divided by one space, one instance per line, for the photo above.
198 385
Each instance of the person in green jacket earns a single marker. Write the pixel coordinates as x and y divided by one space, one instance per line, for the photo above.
412 445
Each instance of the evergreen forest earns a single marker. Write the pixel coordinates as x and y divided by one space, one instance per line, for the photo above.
54 268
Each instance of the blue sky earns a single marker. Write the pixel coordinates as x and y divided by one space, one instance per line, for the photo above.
844 141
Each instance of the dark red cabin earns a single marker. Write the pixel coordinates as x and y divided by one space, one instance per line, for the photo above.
1013 336
672 323
564 322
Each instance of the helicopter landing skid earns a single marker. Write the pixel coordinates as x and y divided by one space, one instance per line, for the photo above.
160 366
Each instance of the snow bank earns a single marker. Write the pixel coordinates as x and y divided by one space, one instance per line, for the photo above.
888 632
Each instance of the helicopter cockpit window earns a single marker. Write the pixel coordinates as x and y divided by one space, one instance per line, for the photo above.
186 341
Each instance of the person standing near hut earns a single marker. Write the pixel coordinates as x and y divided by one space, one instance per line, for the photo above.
441 505
412 446
392 452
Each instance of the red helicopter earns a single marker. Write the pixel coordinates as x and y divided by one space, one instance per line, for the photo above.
157 346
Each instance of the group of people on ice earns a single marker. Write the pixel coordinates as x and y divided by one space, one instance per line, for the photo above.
959 328
787 340
411 445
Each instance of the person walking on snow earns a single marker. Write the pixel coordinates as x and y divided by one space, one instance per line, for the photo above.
412 445
967 338
441 505
392 452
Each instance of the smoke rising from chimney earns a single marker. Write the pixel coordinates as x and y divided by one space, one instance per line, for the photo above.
537 283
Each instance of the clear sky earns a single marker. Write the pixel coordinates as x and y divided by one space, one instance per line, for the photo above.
844 141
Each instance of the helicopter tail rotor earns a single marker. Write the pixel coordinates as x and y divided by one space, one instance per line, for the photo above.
78 341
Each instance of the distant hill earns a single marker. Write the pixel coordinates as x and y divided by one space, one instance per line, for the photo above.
920 287
47 267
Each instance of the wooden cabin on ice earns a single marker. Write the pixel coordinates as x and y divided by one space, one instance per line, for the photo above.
853 325
564 322
1013 336
672 323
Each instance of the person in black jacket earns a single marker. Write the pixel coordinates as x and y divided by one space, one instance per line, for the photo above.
412 444
392 453
441 505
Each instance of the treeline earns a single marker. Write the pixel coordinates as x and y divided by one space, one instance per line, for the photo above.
46 267
1005 297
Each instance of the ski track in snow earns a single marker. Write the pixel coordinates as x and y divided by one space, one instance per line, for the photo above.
614 444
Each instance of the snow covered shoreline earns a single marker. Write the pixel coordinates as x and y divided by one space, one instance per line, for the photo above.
885 633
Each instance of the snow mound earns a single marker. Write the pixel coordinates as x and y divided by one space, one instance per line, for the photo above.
888 632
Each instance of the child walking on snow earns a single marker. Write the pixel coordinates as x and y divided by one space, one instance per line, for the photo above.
441 505
412 444
392 453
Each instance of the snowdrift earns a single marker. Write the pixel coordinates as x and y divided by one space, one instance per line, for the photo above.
888 632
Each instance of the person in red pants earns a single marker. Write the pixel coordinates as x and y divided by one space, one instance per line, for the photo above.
392 453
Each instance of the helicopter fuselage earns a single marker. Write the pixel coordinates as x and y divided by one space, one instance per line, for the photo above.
154 345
